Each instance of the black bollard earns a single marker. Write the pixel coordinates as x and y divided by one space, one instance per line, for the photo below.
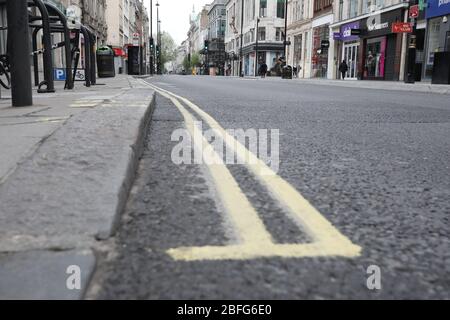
19 53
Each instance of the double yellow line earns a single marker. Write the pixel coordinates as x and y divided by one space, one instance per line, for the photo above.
253 240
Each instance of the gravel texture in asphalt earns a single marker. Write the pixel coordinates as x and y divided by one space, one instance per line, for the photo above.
374 163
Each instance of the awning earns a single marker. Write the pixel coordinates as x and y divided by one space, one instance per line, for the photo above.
119 52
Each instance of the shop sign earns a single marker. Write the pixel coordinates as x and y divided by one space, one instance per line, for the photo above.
437 8
337 36
381 24
347 31
325 44
377 26
136 37
118 52
402 27
414 11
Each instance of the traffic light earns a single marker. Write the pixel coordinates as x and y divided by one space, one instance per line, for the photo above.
206 45
152 44
157 50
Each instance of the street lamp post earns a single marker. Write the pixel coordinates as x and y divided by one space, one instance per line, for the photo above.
285 29
159 67
256 47
152 44
158 44
241 73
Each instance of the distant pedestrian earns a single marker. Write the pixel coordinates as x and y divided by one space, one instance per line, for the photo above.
295 71
229 70
263 70
343 68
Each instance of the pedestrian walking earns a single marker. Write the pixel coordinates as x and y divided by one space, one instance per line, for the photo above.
295 71
263 70
343 68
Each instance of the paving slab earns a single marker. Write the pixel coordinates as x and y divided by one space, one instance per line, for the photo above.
71 190
38 275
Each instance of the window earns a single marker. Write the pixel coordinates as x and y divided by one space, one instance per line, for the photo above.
306 44
222 28
301 9
261 33
372 5
249 10
322 4
353 8
281 4
278 34
433 39
249 36
447 41
297 48
263 8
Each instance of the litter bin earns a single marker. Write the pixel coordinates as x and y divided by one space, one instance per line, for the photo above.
286 72
105 62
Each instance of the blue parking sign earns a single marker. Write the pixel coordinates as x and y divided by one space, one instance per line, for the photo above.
60 74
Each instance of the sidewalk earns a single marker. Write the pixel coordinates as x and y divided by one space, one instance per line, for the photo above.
424 87
66 166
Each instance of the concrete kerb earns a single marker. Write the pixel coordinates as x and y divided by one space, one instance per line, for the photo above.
366 84
70 193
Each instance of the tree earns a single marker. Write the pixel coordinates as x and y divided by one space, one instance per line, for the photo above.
195 60
187 65
168 48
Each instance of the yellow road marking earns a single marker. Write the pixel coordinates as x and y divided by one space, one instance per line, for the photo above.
328 241
244 216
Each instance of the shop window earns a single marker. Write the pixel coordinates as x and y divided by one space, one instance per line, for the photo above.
433 39
375 57
447 41
298 48
319 56
306 44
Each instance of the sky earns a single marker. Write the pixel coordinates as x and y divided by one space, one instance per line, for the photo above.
174 16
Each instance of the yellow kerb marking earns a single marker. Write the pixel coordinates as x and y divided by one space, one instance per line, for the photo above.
255 241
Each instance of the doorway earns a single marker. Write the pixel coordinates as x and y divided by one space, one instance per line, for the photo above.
350 55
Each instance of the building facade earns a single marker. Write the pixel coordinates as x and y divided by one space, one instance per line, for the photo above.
299 35
197 34
375 51
437 38
391 40
261 31
128 26
215 53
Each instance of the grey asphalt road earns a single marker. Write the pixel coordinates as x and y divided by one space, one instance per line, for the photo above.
376 164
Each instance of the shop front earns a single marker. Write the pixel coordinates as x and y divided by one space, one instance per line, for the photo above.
319 59
438 32
380 54
350 48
